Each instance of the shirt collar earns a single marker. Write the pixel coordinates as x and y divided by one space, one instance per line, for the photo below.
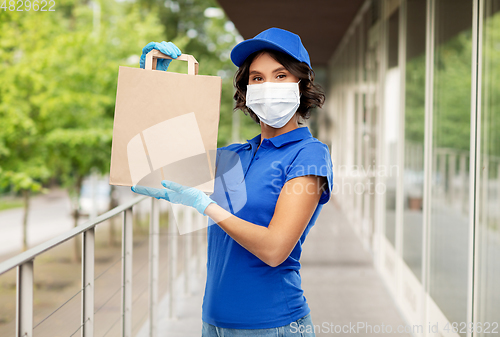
285 138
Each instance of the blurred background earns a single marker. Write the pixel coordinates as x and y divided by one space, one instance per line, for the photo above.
58 73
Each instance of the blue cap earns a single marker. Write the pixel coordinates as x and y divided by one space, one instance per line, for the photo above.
274 39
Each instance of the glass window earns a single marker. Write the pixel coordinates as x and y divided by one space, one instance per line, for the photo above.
370 114
449 222
488 196
391 125
413 182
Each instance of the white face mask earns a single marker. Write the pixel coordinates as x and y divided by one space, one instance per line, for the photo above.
274 103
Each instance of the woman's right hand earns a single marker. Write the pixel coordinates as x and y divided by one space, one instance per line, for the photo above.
177 194
167 48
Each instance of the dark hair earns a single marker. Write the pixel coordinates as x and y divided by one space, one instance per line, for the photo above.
312 94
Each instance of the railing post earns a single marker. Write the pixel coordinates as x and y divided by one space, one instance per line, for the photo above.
24 315
127 240
196 224
200 243
154 265
444 174
172 265
88 245
452 168
188 221
463 183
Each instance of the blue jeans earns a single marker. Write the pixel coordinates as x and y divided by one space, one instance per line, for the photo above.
303 327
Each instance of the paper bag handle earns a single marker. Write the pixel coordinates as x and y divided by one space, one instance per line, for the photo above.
154 54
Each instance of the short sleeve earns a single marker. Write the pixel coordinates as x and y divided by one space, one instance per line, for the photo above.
313 159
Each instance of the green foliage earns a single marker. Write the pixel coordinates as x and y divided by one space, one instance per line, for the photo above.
490 112
415 100
452 92
59 73
22 155
75 152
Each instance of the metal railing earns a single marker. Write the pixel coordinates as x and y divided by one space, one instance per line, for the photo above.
24 263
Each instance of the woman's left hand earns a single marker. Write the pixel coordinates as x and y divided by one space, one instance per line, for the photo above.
177 194
167 48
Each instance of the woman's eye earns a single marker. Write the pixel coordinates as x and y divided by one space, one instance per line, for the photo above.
257 78
281 76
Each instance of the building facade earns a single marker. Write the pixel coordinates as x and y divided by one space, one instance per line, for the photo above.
412 121
413 125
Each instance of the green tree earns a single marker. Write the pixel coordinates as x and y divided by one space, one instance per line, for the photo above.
415 100
59 75
452 83
58 87
80 113
490 111
22 155
452 92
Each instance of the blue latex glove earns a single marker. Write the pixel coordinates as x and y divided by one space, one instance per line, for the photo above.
167 48
177 194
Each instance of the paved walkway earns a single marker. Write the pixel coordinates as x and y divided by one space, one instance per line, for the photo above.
340 283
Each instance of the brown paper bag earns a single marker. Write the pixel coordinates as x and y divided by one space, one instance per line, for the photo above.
165 126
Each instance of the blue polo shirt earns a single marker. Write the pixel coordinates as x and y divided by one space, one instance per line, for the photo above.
242 292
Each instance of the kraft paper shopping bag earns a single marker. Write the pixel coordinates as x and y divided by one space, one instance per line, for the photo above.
165 126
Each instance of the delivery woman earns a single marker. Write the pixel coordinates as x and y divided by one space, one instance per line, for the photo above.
268 194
